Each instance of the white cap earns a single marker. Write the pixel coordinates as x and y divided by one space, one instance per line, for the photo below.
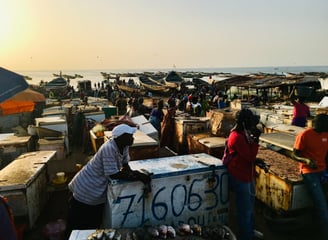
121 129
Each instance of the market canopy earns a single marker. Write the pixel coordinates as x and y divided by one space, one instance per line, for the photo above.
10 84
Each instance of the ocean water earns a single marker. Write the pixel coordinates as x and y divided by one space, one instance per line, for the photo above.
96 77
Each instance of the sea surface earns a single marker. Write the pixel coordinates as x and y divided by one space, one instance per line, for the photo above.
96 77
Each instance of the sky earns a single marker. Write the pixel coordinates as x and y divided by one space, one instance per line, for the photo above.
154 34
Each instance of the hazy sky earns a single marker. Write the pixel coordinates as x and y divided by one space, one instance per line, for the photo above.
136 34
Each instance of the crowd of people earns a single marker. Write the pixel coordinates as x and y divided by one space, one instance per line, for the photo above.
88 187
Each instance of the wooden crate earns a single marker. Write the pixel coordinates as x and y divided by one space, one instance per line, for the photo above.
96 141
206 143
143 147
222 122
24 182
143 152
194 145
183 127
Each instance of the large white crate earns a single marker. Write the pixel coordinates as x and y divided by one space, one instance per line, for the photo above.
57 123
145 126
23 182
187 188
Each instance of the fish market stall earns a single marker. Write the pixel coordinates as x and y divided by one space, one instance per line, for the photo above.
184 189
280 186
23 182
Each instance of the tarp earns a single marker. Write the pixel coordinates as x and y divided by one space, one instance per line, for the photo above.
12 107
10 84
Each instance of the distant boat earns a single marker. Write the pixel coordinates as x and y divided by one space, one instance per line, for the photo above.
152 85
173 79
129 89
57 83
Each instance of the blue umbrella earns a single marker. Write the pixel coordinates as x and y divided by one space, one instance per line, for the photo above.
10 84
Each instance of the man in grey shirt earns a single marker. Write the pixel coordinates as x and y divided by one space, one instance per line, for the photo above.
89 185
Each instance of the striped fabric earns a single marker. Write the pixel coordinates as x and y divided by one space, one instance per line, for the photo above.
89 185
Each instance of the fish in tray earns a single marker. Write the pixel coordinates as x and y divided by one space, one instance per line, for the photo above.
105 234
183 231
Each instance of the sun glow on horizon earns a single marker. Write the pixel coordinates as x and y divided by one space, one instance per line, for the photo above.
6 25
79 34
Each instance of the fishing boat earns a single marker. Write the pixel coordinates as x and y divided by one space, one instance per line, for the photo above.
57 83
173 79
153 85
129 89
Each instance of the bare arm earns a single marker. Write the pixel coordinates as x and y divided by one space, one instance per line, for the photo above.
292 96
296 155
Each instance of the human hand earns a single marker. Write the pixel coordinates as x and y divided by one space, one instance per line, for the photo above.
255 132
146 179
143 177
311 163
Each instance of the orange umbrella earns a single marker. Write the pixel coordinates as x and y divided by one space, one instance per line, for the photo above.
28 95
12 107
23 101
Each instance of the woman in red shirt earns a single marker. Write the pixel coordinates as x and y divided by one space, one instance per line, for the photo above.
300 112
243 146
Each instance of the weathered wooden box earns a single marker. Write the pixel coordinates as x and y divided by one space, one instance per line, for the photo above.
185 126
185 189
194 146
281 188
222 122
23 182
285 128
143 146
206 143
57 144
12 146
96 141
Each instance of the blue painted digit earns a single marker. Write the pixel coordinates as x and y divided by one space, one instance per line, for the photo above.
159 205
175 213
143 220
125 214
194 196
